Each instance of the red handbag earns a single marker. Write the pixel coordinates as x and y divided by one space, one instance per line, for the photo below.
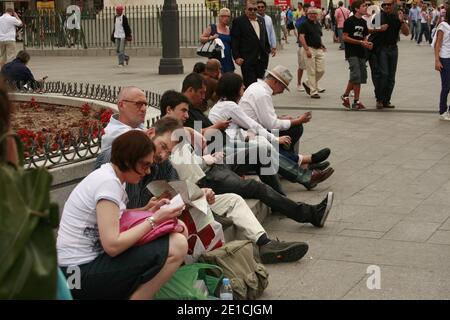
130 219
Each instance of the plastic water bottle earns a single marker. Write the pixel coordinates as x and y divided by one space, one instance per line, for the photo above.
226 292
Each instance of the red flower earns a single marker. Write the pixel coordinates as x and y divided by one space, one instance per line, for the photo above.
85 109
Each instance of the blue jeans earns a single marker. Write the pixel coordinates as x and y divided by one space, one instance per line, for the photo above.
340 32
384 77
424 30
120 50
414 26
445 85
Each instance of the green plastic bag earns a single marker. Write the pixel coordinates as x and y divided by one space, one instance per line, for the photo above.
28 268
182 285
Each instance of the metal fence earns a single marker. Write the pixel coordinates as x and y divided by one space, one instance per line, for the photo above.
86 144
47 29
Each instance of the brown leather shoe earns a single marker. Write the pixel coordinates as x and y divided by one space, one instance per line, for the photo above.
380 105
317 177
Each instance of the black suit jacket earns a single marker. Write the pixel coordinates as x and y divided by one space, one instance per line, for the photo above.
245 43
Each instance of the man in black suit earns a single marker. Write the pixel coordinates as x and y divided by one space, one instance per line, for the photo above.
250 44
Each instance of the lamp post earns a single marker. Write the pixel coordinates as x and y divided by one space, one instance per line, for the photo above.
170 62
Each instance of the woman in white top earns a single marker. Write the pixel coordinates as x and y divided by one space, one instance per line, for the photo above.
105 262
442 63
424 20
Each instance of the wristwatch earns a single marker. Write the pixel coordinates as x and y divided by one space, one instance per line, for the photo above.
152 222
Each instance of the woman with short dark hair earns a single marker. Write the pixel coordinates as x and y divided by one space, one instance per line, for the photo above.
110 264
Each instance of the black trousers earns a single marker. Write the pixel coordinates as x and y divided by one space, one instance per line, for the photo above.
222 179
252 71
295 132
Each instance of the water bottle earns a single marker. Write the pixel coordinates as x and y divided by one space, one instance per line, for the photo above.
226 292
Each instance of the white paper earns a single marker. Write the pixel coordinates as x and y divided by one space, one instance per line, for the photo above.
176 202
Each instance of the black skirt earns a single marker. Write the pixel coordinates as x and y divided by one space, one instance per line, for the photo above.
118 277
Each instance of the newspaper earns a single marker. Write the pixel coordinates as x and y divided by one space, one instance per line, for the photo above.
190 193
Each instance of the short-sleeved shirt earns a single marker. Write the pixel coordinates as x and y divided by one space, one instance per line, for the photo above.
391 35
356 28
78 236
312 32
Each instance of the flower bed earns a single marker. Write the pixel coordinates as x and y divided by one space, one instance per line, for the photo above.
43 126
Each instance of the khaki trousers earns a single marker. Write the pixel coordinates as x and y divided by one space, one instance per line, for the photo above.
315 68
7 51
234 207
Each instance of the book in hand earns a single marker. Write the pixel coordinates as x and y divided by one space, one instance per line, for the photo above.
189 193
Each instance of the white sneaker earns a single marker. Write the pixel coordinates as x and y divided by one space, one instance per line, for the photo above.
120 66
445 116
300 88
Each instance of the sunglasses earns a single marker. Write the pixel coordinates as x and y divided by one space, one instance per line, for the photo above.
252 9
386 4
261 7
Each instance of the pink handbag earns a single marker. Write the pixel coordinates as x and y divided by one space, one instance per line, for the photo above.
130 219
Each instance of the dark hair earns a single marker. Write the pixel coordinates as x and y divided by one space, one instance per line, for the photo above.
23 56
306 6
229 86
6 108
166 124
171 99
447 15
340 3
357 4
194 81
261 1
199 67
129 148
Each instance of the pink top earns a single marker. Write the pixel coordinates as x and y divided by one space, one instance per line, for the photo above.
341 14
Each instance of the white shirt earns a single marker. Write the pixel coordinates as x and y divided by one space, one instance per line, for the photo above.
283 18
255 25
423 17
270 31
257 104
445 48
78 239
8 26
119 32
114 129
223 110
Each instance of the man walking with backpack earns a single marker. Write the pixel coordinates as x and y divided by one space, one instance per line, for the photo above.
341 14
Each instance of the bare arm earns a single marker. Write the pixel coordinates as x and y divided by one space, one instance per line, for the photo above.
437 50
206 35
115 242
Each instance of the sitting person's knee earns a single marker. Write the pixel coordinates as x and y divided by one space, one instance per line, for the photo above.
178 246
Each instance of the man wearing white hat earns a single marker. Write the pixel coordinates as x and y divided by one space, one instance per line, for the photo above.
257 104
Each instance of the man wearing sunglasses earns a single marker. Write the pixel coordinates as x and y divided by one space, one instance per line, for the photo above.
249 44
384 66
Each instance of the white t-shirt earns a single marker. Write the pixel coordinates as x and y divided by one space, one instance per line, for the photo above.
114 129
445 48
8 26
283 18
119 32
223 110
78 239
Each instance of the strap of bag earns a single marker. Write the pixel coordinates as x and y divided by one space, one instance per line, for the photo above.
213 29
19 147
343 14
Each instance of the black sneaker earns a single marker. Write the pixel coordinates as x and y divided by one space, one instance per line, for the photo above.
318 166
324 209
307 89
321 155
279 251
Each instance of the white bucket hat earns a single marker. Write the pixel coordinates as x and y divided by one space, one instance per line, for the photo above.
282 74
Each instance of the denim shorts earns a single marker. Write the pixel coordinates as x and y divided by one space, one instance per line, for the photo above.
358 70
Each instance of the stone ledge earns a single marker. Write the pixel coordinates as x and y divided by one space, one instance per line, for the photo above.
190 52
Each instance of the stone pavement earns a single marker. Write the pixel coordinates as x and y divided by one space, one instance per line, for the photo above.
391 180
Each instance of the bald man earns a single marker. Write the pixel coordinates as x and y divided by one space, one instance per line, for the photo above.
132 105
212 75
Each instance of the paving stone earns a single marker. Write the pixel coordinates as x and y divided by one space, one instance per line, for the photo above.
429 213
361 233
445 225
440 237
404 283
412 231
